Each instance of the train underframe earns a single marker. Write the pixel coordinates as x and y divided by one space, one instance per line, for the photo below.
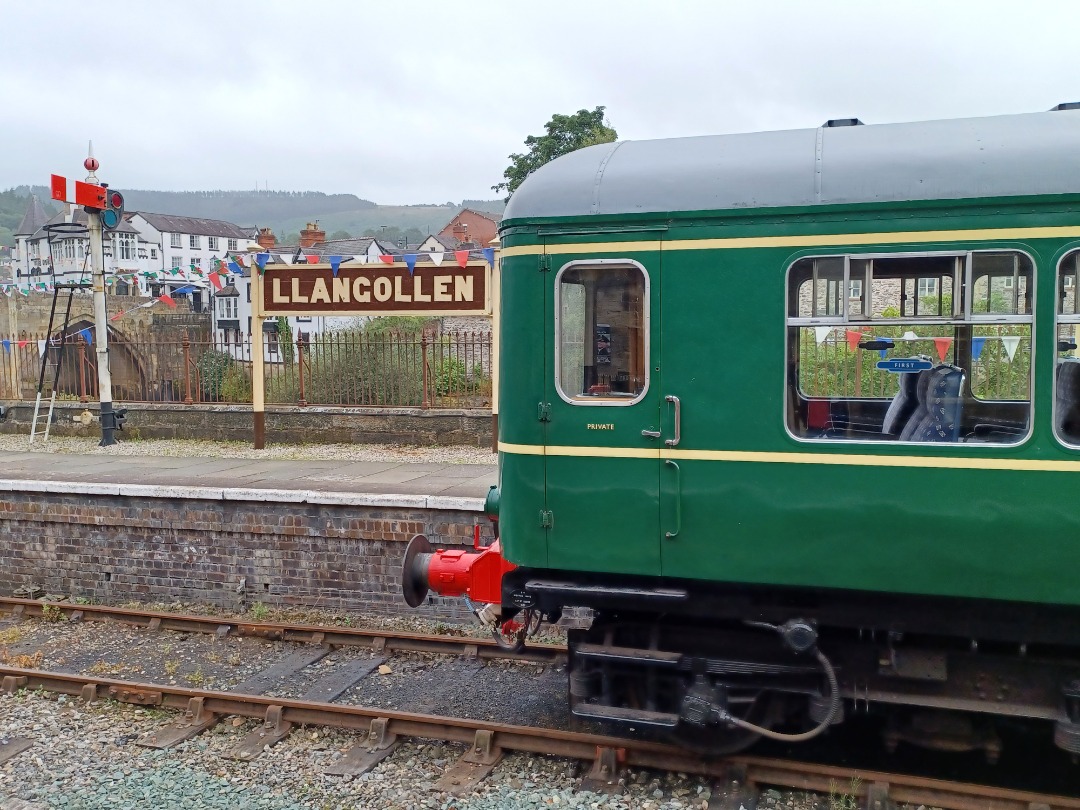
720 666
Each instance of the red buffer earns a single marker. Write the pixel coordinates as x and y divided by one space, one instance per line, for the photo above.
476 574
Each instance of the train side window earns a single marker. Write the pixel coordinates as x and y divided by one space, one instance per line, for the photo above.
1067 364
601 317
904 358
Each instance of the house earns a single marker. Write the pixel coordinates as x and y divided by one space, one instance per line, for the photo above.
436 244
56 249
187 249
471 227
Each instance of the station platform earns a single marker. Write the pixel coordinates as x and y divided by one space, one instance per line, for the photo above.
330 481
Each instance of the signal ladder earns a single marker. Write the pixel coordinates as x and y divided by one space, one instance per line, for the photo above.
47 418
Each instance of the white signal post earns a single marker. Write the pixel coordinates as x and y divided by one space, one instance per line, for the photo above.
101 318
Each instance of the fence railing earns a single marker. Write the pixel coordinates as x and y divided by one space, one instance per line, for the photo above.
351 368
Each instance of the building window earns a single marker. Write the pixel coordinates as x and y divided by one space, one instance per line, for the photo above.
196 263
232 244
177 262
601 349
174 240
127 246
153 253
907 362
195 242
248 287
227 307
213 240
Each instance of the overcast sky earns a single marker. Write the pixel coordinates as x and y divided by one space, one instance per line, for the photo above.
412 102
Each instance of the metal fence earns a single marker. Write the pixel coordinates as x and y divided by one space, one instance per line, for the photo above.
348 368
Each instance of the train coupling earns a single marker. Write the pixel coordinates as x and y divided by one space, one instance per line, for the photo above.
475 574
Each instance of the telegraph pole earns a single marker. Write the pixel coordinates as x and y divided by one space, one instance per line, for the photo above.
101 318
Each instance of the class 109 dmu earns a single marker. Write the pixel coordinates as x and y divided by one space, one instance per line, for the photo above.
790 422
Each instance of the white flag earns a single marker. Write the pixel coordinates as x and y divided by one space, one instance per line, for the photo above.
287 258
41 348
438 255
1010 344
820 332
909 335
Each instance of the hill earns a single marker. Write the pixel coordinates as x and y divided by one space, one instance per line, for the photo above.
286 212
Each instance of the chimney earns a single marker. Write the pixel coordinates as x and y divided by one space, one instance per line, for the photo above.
266 239
311 234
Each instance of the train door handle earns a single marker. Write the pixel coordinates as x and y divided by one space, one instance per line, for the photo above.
678 500
673 442
652 434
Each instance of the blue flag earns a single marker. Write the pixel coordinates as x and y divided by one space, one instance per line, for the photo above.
235 268
183 290
977 347
489 254
410 261
7 345
261 259
335 263
85 335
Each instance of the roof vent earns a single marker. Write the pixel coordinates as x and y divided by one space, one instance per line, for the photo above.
843 122
1068 105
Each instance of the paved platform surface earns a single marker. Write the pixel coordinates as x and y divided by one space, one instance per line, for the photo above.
332 480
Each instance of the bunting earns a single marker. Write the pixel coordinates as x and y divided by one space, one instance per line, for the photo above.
335 263
462 257
167 300
822 332
437 257
410 262
386 257
1010 344
977 345
943 345
489 254
312 259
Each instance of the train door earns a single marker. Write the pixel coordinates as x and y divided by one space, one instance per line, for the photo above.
602 411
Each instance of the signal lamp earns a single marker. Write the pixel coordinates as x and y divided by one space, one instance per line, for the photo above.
113 214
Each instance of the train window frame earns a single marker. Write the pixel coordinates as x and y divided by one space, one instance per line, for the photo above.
1061 289
646 328
960 315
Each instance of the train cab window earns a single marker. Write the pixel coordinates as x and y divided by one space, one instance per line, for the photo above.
601 314
1067 364
912 348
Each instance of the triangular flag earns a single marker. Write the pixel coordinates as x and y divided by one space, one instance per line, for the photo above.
882 353
116 317
410 261
23 344
41 347
462 257
853 339
977 345
261 259
909 335
489 254
7 346
184 290
437 257
215 279
822 332
386 257
235 268
942 344
335 263
362 258
85 333
313 258
167 299
1010 344
287 258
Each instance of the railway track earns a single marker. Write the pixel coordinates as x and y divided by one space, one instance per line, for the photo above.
376 640
737 779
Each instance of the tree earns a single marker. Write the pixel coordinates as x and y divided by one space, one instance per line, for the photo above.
564 133
341 234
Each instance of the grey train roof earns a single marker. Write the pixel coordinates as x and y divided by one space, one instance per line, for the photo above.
1002 156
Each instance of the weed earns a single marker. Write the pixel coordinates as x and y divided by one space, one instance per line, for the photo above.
9 635
235 660
83 600
171 667
20 660
51 613
260 612
213 658
104 668
848 800
196 678
166 649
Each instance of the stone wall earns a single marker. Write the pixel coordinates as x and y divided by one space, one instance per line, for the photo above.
229 553
313 425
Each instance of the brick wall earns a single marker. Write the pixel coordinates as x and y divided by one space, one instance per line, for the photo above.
220 552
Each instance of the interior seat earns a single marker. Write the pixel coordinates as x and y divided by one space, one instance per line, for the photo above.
904 403
1067 400
936 418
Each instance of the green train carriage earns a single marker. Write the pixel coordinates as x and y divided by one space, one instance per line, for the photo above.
797 414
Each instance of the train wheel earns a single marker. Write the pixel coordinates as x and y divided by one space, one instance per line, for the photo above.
720 741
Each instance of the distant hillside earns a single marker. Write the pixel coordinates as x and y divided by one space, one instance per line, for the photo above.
286 212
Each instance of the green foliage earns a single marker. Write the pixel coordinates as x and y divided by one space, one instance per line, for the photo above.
395 323
286 343
13 204
393 235
563 134
340 234
222 379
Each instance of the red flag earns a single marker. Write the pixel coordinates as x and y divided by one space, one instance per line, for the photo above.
943 344
239 260
215 279
462 257
386 257
167 299
22 344
853 339
312 259
117 316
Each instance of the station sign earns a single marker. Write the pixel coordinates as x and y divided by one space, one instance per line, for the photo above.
376 290
905 365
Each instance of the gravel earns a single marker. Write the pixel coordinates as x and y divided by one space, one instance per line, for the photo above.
199 448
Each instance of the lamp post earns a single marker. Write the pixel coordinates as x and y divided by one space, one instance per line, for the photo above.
258 405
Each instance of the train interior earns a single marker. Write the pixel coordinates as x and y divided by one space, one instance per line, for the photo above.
926 348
